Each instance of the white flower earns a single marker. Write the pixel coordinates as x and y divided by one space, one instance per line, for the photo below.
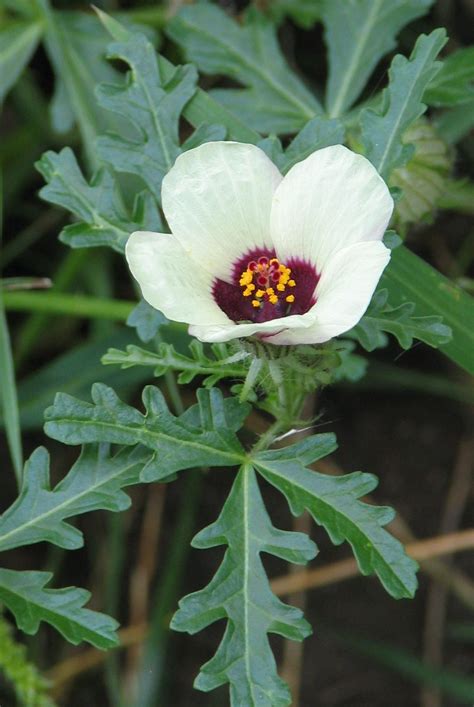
291 259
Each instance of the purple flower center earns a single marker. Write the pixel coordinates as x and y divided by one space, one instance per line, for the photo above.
263 288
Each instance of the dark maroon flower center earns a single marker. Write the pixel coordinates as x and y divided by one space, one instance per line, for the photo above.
263 288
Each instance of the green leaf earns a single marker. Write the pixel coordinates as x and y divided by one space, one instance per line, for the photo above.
454 83
151 105
240 593
146 320
94 482
25 596
274 100
382 132
409 279
382 317
103 217
303 12
17 43
9 393
358 34
316 134
203 436
333 503
220 365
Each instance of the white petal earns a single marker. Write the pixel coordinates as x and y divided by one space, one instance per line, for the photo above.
343 294
170 281
263 329
217 200
328 201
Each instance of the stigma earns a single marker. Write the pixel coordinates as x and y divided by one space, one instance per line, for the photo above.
266 280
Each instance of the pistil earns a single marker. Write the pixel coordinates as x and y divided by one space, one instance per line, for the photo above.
272 279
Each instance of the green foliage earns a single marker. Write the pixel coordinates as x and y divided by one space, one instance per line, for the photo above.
24 594
146 321
94 482
274 100
219 363
203 436
103 217
240 593
382 131
333 503
454 84
303 12
317 133
17 43
409 279
151 105
358 35
31 688
382 317
9 396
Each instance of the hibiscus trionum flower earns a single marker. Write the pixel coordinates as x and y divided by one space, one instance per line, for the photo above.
290 260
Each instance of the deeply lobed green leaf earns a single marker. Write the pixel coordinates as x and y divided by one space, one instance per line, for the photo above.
94 482
202 436
25 596
240 593
151 105
103 217
382 317
382 131
274 100
333 502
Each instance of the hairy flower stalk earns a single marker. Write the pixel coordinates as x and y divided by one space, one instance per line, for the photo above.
288 260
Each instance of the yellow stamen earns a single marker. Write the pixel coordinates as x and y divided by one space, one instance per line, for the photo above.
291 283
290 298
255 303
273 299
280 287
259 293
270 291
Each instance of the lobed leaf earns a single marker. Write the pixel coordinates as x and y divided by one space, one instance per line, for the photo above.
454 84
202 436
382 132
94 482
358 34
240 593
221 364
317 133
25 596
382 317
146 320
151 105
103 217
274 100
333 502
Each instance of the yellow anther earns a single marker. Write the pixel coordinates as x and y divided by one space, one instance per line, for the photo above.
291 283
270 291
259 293
273 299
280 287
247 292
290 298
274 260
255 303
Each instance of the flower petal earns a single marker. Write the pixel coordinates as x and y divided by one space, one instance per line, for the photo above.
170 281
217 200
263 329
328 201
343 294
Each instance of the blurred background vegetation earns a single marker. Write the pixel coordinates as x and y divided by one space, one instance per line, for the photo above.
409 420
